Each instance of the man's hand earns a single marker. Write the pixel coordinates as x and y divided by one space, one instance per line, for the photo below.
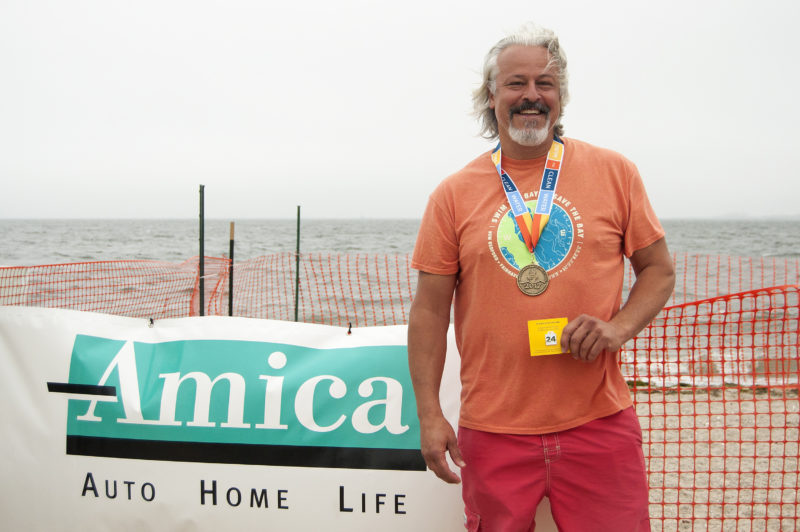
438 438
586 337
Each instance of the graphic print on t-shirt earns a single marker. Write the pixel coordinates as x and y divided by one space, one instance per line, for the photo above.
558 246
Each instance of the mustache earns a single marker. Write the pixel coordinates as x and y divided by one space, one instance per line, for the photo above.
528 105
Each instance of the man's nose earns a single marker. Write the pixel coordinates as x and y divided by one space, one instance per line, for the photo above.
531 93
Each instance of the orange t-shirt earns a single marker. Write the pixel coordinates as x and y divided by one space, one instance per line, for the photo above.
600 213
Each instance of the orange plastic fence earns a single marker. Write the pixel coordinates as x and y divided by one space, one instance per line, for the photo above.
714 376
342 290
362 290
705 276
125 288
715 384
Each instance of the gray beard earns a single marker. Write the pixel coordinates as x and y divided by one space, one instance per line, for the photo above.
530 136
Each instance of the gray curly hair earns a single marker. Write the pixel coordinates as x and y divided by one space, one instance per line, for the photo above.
529 34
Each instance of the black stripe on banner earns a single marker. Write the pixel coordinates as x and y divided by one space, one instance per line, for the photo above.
248 454
83 389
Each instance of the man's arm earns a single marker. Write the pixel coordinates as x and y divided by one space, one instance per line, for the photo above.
586 336
427 346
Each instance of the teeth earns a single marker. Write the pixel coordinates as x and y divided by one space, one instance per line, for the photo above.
530 112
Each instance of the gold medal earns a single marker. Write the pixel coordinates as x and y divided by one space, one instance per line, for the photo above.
532 280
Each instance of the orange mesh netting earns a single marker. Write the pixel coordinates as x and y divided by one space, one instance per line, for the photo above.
714 376
342 290
141 289
715 384
364 290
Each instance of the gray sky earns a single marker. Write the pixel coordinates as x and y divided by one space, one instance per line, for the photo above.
120 109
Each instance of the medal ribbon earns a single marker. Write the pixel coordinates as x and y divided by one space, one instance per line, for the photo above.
531 227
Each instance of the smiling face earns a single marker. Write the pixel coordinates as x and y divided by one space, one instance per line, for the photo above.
526 101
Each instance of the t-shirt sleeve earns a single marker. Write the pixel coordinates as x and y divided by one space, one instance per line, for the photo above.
643 227
436 250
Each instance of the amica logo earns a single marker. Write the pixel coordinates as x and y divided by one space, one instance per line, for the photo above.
233 401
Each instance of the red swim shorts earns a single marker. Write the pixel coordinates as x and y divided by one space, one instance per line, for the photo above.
594 476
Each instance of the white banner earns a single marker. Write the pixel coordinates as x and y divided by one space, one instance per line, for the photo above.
212 423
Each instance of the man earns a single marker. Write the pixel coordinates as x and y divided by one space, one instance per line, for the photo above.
534 231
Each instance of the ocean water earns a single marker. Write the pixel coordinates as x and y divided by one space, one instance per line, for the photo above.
35 242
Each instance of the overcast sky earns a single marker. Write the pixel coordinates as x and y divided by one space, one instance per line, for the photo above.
121 109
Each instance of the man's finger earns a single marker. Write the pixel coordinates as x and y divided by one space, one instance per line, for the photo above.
442 470
455 454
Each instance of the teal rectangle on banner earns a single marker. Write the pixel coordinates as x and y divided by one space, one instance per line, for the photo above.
244 392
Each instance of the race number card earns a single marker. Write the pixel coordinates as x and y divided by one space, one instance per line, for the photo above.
545 336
